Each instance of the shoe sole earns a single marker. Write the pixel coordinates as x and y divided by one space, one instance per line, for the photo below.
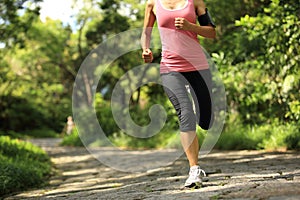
193 186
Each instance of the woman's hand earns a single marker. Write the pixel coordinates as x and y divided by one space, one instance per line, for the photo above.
147 55
204 31
182 23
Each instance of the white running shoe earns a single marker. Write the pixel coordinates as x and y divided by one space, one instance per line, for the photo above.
194 180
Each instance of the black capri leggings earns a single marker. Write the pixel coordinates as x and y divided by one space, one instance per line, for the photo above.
200 83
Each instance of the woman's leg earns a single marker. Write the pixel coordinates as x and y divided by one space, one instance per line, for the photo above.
175 87
201 90
189 141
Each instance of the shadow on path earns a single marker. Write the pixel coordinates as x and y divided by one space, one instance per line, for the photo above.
231 175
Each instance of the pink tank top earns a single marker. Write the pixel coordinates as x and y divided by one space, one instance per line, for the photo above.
181 50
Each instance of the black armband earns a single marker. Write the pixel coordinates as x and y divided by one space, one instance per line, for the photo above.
205 19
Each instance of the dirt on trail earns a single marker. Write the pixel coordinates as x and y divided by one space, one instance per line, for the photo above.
230 175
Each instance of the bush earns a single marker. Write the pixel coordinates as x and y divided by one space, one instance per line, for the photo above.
18 114
72 140
22 165
36 133
41 133
238 138
274 136
162 139
293 140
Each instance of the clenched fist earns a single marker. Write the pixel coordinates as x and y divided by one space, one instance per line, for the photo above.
182 23
147 55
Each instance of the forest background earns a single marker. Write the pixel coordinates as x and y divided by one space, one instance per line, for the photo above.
257 53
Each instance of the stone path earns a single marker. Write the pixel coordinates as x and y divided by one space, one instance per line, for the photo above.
231 175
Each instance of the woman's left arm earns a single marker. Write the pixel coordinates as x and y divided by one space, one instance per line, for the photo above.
207 31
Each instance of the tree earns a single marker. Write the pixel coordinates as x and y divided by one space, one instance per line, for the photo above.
264 59
16 17
33 94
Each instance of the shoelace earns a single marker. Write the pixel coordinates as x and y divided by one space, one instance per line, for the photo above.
202 171
199 171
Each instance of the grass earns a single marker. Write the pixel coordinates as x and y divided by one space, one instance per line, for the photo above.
235 136
270 136
22 165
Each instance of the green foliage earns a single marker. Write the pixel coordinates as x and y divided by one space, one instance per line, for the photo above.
273 136
35 133
121 139
72 140
19 148
33 93
264 58
104 115
238 137
22 165
40 133
111 23
140 116
293 140
256 51
15 112
13 27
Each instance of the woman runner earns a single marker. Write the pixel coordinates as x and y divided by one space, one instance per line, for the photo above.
183 65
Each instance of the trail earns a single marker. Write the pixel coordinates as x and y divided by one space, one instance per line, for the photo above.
231 175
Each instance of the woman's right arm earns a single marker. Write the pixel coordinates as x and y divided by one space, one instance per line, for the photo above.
149 20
